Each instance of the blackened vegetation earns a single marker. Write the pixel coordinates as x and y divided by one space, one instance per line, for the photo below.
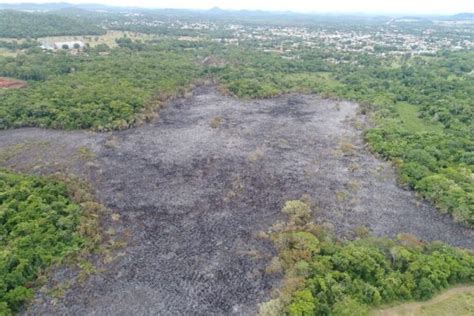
195 197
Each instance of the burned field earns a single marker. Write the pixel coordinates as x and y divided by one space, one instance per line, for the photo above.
195 187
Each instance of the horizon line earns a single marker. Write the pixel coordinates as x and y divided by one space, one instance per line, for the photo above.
331 12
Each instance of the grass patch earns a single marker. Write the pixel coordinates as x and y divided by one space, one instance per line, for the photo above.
412 123
312 82
216 122
7 53
456 301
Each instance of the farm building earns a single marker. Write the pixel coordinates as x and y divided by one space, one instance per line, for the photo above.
63 45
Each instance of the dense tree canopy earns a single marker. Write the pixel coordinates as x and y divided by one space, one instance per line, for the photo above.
17 24
100 92
38 223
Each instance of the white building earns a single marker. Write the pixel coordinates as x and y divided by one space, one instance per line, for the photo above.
63 45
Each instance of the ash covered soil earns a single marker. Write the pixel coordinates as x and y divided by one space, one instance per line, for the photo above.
195 187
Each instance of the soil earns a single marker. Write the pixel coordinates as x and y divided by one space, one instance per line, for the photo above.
6 83
197 185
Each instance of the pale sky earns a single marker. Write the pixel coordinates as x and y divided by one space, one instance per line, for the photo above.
355 6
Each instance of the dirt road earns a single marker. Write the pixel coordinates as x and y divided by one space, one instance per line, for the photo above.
196 186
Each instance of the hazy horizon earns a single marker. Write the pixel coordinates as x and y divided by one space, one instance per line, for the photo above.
336 6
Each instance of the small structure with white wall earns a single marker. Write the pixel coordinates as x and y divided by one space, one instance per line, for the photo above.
63 45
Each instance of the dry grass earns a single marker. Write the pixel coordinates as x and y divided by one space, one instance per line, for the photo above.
341 196
271 308
263 235
85 153
274 267
236 189
410 240
353 185
216 121
12 151
112 142
457 301
362 231
107 39
353 167
358 124
347 148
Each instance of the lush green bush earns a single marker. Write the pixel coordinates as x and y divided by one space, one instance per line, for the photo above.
38 228
347 277
14 45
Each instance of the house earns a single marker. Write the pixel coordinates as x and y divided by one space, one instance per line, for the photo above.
69 45
63 45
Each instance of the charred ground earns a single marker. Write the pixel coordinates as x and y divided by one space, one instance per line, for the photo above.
196 186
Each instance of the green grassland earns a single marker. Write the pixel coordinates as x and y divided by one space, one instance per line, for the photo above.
457 301
7 53
409 115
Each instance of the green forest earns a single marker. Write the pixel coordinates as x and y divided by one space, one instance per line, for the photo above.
326 276
98 92
16 24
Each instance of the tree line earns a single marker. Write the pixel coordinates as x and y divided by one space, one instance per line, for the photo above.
327 276
18 24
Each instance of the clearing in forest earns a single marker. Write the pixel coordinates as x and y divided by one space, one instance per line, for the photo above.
7 83
457 301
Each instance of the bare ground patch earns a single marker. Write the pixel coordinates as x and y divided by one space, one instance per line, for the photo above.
195 196
7 83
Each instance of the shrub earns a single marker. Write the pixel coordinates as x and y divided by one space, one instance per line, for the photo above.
346 277
270 308
349 307
299 213
38 223
216 121
302 304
